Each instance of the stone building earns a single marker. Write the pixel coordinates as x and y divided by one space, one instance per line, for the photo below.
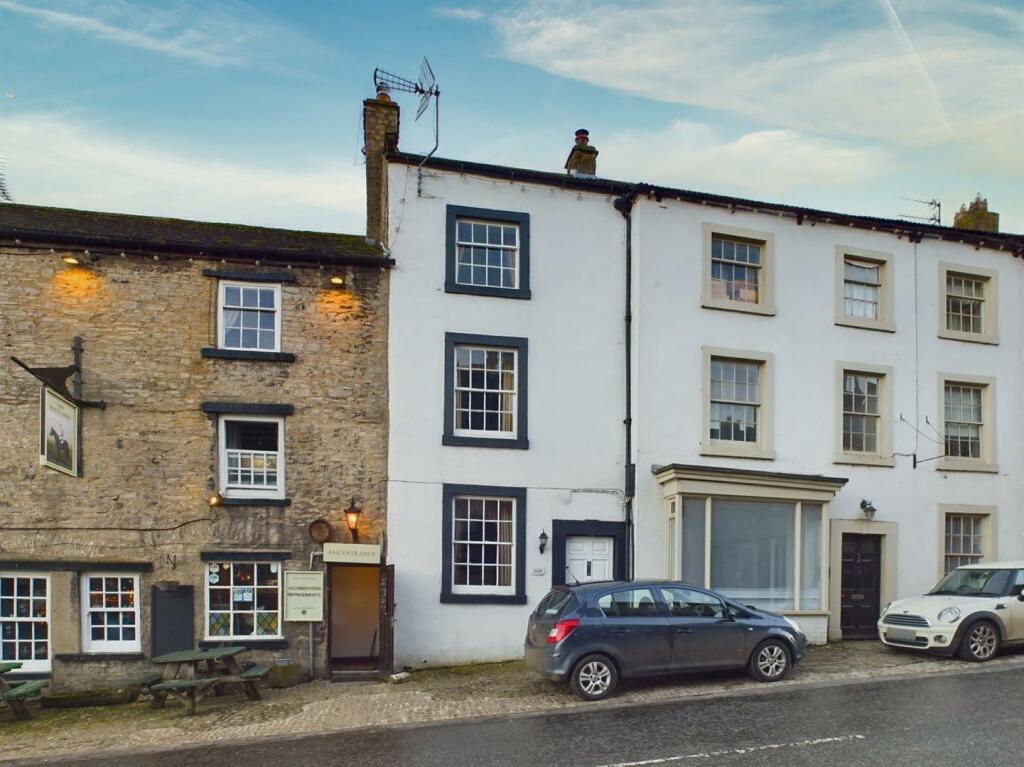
244 376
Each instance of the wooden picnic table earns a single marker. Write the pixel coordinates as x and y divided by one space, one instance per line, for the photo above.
189 675
15 695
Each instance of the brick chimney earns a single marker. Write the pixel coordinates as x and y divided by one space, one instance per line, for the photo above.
583 157
976 215
380 136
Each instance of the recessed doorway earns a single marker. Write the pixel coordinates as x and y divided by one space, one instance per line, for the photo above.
355 641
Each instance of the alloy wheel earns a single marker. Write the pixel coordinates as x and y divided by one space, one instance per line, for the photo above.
594 678
982 641
771 661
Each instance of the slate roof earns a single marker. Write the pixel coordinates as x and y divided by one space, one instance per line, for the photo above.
118 231
1012 243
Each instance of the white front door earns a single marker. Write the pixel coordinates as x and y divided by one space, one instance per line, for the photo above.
588 558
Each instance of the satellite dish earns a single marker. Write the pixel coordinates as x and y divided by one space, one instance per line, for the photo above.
425 86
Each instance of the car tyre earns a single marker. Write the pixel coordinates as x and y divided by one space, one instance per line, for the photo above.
771 661
594 677
980 643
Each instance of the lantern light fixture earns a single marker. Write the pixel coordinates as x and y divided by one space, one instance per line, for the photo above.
70 260
352 518
543 541
337 280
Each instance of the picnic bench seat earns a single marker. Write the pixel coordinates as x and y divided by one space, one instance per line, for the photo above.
15 697
188 691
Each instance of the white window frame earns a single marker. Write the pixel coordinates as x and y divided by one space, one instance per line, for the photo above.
765 304
882 456
222 459
509 590
884 322
503 248
987 462
246 637
34 665
988 517
222 330
990 307
90 645
485 433
764 447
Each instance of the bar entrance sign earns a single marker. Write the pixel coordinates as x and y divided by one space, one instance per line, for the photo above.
352 553
304 595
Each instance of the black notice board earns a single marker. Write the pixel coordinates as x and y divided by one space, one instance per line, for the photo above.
171 628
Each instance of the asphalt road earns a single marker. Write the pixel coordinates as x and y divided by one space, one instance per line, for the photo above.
974 719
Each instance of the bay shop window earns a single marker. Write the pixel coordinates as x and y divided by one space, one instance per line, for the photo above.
757 537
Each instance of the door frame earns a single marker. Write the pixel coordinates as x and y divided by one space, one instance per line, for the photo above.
563 528
886 531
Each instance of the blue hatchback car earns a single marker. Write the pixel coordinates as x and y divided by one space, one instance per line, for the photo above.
595 634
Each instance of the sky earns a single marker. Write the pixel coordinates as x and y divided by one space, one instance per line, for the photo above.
250 112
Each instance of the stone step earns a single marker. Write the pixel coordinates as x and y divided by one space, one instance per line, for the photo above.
361 675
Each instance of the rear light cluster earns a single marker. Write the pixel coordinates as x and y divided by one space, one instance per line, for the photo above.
561 630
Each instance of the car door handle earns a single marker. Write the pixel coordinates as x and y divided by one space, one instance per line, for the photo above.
684 631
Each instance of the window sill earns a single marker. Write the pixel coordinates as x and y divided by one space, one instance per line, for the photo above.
245 354
483 599
852 322
856 459
473 290
275 502
726 450
97 657
271 643
738 306
27 676
971 338
961 464
513 444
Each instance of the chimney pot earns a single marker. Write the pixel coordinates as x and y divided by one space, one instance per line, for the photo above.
583 157
976 216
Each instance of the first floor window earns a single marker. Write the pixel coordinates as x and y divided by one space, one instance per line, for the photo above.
110 612
485 390
964 420
250 317
252 456
861 412
25 620
965 302
964 540
243 600
735 400
487 254
483 545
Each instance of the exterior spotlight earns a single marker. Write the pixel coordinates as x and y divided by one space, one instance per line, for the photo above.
70 260
543 541
868 508
337 279
215 499
352 518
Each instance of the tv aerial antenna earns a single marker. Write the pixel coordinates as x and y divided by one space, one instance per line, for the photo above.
5 191
425 87
936 211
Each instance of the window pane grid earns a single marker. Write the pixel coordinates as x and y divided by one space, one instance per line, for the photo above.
112 612
964 541
861 394
485 389
965 299
861 289
243 599
487 254
251 468
734 400
735 270
25 621
249 318
964 420
482 543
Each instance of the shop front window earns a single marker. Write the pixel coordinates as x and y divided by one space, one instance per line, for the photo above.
243 600
25 620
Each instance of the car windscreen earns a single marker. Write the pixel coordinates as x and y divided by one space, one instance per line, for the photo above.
554 602
974 583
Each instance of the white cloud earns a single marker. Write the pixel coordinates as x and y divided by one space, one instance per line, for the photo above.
54 160
461 14
777 64
213 35
766 164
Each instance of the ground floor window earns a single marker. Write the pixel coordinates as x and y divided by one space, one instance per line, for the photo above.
965 539
25 620
243 600
110 612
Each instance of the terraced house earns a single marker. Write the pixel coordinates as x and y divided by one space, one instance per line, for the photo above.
810 411
210 391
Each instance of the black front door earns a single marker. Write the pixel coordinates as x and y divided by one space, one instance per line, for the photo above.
862 574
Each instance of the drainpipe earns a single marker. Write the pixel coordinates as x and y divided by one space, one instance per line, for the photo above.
312 655
625 205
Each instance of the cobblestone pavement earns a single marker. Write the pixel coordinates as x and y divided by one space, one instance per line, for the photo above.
433 695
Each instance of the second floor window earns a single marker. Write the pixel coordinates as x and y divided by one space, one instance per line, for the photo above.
862 284
485 390
735 400
861 412
965 304
735 270
250 317
252 457
964 420
487 254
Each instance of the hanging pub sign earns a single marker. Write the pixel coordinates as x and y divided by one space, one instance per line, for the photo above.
58 437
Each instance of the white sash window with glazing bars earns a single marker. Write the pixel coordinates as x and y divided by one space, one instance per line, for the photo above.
735 400
965 304
483 535
250 316
964 540
485 391
735 269
861 399
110 612
25 620
487 254
862 284
252 456
964 420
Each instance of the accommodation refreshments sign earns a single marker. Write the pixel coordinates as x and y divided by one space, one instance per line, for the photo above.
352 553
304 595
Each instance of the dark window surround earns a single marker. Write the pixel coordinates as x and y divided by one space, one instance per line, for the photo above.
244 276
451 340
97 657
249 644
454 212
244 556
447 495
563 528
58 565
269 502
246 408
211 352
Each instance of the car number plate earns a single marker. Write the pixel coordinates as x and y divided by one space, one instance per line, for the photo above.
901 635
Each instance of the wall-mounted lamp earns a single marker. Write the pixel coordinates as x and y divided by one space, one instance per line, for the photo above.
80 260
543 541
70 260
337 280
868 508
352 518
215 499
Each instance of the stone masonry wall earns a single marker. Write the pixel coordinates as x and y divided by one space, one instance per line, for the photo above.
149 460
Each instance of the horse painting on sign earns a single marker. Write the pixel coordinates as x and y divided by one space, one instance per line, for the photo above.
60 429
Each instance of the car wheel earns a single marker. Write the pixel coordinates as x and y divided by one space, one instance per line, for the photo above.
594 677
770 661
980 643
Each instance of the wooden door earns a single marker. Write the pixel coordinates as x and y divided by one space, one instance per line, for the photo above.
861 585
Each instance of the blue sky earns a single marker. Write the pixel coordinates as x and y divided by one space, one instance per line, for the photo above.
250 112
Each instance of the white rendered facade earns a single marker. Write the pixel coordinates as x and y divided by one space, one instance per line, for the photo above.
573 467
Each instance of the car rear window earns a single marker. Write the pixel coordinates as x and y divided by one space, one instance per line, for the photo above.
554 603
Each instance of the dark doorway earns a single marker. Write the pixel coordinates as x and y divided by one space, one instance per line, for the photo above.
861 585
171 620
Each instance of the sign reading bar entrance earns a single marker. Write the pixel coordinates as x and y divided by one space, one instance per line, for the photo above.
352 553
304 595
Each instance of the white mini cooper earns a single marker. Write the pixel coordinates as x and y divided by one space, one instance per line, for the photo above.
973 611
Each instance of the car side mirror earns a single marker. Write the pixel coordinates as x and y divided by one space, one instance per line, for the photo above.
1020 596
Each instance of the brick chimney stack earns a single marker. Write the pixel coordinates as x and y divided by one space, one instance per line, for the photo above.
380 136
976 216
583 157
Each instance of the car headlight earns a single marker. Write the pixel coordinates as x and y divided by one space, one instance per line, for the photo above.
949 615
792 624
886 608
